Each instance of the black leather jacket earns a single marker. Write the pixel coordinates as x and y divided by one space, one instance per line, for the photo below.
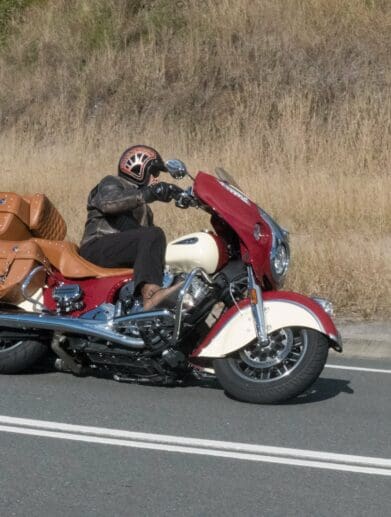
115 205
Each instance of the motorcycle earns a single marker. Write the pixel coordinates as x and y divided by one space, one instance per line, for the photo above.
230 319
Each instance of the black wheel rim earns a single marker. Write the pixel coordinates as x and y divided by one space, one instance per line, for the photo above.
284 352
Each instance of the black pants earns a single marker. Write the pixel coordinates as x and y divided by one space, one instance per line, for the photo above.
143 249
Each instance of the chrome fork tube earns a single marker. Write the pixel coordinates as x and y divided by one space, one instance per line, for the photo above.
257 308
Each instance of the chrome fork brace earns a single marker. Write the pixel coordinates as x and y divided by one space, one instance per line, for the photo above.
257 308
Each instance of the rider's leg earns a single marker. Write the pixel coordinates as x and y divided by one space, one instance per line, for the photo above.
144 250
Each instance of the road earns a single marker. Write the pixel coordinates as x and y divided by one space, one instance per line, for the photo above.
50 469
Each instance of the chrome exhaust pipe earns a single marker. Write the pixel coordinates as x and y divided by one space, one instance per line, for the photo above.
100 329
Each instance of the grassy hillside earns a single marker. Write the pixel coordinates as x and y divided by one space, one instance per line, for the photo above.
292 95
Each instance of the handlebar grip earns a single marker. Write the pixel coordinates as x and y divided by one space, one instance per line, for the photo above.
185 201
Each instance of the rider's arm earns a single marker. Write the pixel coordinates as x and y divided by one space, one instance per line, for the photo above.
113 197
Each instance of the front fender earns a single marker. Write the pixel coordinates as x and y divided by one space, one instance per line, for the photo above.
236 328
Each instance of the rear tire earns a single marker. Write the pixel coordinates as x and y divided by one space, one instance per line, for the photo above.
250 375
21 356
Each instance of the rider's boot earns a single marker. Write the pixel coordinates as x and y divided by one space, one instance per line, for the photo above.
155 296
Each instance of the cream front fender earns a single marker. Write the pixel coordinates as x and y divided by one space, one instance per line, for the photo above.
237 327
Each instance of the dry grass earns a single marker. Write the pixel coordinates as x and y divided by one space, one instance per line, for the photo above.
291 95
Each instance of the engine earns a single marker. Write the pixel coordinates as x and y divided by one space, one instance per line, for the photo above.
197 293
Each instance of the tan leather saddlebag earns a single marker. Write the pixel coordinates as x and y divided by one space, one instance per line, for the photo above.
14 217
23 217
17 259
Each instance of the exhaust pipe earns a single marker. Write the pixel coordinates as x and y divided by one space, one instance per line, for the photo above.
100 329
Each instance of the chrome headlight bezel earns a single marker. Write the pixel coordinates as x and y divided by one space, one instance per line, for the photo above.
280 250
279 260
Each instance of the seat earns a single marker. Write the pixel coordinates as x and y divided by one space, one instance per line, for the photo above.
46 222
64 256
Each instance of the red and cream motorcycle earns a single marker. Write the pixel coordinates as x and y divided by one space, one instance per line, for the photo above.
229 319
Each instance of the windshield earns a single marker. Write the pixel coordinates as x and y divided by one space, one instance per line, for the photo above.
224 175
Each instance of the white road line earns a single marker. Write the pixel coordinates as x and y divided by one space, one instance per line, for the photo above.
181 444
357 368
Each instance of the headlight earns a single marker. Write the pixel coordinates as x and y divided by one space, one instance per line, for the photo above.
280 260
280 252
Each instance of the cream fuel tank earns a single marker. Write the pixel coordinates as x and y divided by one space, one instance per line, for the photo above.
200 249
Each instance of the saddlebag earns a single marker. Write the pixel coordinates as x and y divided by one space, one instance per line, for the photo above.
14 217
17 259
23 217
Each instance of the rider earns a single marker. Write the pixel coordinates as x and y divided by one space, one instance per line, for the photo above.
119 231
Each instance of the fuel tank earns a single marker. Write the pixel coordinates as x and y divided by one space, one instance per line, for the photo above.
201 249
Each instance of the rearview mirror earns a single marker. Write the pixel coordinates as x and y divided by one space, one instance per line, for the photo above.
176 168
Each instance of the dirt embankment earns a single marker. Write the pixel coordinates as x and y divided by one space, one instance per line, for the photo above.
291 95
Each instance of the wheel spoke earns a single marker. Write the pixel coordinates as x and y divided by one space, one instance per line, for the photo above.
249 371
294 356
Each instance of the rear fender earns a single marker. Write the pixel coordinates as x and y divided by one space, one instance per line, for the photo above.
236 328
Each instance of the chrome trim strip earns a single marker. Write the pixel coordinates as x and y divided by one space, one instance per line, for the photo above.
165 313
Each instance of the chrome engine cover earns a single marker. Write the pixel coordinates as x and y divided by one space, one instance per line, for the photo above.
68 297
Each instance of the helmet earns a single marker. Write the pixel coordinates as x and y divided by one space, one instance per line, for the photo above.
138 162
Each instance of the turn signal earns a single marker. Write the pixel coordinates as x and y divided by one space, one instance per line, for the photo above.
252 293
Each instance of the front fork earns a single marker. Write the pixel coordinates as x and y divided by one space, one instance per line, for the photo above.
257 309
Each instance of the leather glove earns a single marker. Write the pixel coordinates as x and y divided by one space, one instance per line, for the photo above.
161 191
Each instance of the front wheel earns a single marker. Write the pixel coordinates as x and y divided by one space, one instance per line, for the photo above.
287 366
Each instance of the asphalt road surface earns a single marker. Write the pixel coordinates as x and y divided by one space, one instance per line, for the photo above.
93 447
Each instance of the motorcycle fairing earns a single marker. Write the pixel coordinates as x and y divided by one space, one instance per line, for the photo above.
282 309
242 216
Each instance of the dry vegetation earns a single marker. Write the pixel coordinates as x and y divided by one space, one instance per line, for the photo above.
292 95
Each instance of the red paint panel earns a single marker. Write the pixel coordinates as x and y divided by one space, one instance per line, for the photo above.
96 291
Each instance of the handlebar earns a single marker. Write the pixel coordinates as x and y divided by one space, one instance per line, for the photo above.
185 199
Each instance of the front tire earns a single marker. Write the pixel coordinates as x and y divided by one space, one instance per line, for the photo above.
291 362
